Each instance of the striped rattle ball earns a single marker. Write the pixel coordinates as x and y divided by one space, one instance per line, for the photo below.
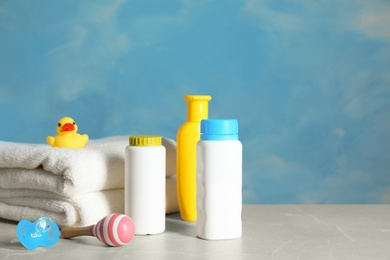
114 230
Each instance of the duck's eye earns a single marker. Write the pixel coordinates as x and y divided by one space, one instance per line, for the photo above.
59 124
74 123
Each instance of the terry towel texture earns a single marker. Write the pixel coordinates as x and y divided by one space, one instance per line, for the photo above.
75 187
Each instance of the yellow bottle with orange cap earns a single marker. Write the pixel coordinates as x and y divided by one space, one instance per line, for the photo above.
187 137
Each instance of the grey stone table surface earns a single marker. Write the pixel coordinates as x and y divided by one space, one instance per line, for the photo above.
269 232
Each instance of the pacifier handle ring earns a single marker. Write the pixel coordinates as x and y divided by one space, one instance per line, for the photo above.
39 228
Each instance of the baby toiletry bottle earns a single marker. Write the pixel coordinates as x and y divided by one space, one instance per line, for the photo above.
187 137
145 184
219 180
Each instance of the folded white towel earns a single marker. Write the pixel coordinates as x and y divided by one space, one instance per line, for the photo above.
83 210
75 187
70 172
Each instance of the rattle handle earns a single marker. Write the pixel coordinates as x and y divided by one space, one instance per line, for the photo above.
69 232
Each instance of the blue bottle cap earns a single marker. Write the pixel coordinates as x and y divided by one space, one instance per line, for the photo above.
219 129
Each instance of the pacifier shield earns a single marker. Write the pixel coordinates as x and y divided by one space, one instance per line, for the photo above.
43 232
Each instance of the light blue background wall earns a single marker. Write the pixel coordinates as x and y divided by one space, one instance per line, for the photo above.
309 82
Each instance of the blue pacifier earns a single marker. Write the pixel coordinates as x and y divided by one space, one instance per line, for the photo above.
43 232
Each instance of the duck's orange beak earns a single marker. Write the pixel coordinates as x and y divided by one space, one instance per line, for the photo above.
67 127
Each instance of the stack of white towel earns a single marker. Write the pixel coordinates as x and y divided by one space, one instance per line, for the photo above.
74 187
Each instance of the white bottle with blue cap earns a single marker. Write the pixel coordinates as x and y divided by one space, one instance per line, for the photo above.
219 180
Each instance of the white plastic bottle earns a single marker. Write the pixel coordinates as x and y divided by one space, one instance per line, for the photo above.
145 184
219 180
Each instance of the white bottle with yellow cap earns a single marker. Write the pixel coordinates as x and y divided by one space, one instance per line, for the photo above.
145 184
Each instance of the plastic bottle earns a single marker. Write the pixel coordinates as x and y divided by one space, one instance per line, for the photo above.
187 137
219 180
145 184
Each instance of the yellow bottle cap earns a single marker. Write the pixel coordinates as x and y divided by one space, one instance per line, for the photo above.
197 107
145 140
197 98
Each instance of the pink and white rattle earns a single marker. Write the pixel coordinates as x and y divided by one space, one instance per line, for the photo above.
113 230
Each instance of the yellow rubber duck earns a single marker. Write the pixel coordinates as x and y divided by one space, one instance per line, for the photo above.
67 135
